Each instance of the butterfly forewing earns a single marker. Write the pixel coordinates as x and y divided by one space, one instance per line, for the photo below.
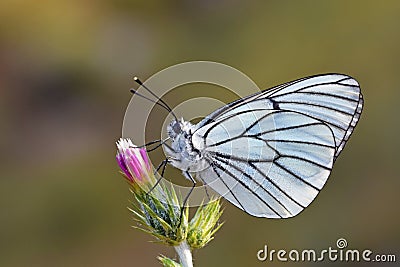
334 99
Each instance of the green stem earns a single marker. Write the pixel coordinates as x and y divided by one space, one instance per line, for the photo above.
184 253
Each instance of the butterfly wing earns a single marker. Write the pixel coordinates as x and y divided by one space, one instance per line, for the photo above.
269 163
334 99
271 153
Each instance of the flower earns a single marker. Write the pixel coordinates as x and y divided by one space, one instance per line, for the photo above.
159 210
134 163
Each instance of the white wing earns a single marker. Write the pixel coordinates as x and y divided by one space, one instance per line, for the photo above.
272 152
271 165
334 99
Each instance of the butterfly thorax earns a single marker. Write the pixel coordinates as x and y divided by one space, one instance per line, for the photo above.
181 152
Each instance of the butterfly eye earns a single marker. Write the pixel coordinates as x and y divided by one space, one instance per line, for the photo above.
176 127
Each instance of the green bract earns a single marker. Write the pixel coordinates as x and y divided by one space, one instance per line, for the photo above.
204 224
161 218
159 211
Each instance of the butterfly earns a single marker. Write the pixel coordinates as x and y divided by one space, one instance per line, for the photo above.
270 153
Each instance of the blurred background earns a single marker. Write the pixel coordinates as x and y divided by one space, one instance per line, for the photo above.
65 74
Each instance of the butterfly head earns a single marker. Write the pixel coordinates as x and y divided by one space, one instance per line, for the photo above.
174 128
178 127
181 152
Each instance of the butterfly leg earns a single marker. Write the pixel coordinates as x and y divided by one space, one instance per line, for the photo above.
160 141
189 176
147 144
163 164
205 188
157 146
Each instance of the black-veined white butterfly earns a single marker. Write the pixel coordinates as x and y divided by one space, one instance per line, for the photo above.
270 153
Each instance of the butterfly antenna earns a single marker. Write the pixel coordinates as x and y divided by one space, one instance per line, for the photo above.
133 91
165 105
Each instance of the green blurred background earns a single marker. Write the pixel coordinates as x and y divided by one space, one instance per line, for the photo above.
65 71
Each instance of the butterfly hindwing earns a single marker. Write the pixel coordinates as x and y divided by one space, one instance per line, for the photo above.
270 163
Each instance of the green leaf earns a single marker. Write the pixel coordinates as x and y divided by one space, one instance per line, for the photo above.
167 262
